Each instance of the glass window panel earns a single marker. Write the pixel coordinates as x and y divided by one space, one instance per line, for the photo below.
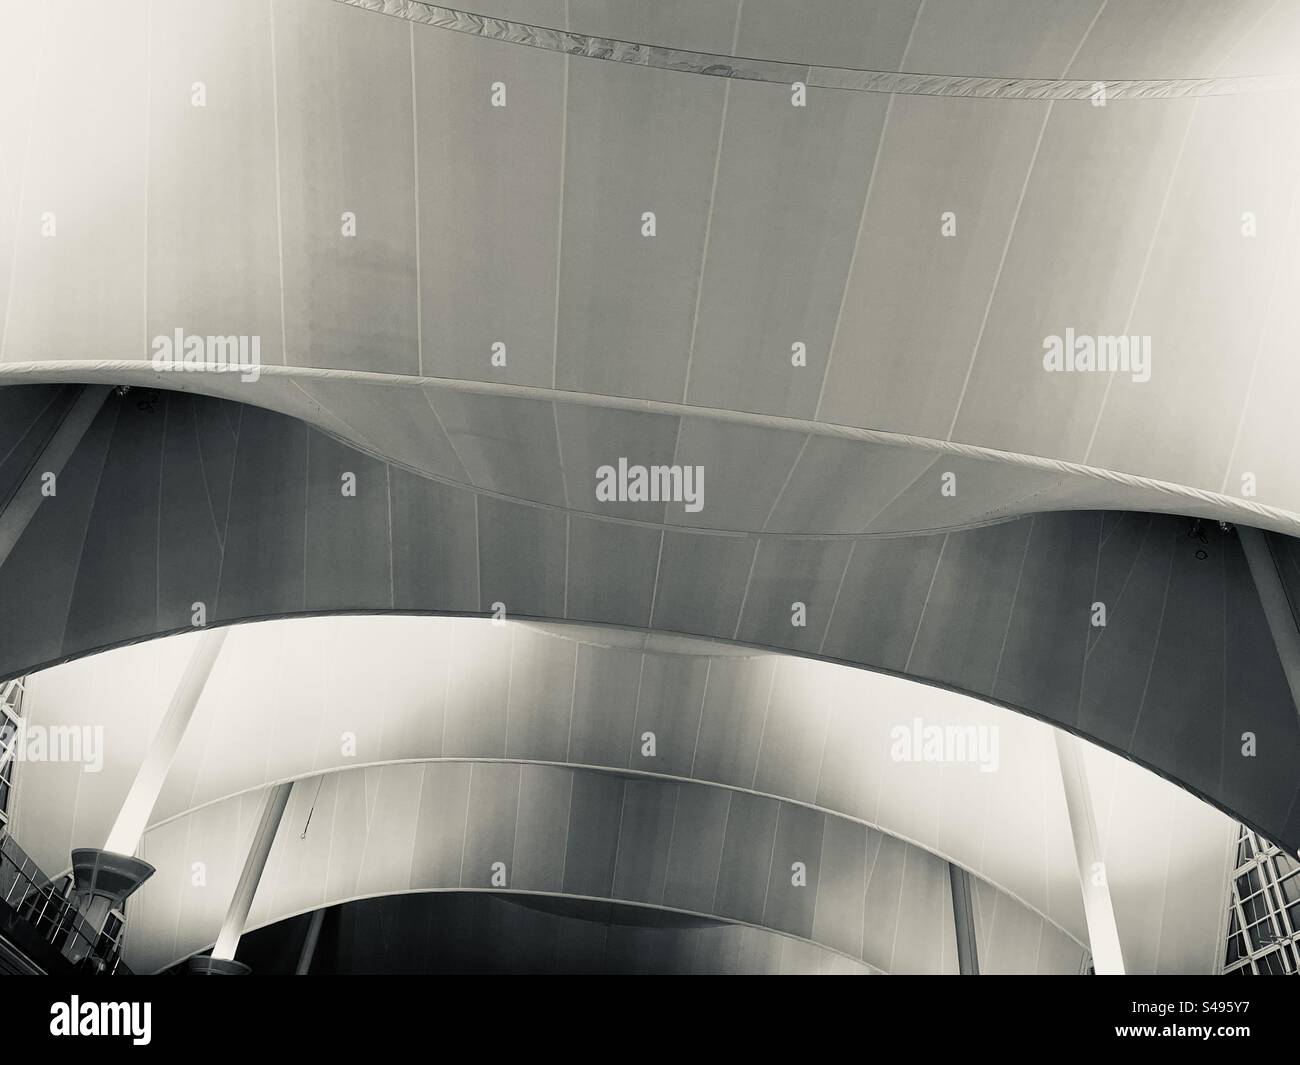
1234 949
1261 935
1291 889
1255 909
1271 964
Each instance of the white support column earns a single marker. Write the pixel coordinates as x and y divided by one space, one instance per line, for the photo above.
104 878
15 518
277 798
1277 606
1103 935
128 829
309 945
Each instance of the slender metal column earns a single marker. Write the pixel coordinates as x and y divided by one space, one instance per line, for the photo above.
15 518
1103 935
1277 606
277 798
963 919
128 829
309 945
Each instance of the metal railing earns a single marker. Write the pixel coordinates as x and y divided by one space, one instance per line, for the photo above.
11 710
47 908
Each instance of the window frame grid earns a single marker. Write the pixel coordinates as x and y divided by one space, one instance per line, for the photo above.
1257 862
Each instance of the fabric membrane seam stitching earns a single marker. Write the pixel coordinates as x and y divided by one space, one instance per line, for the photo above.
571 43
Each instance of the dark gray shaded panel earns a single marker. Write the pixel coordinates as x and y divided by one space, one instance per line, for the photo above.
348 559
791 901
265 559
42 569
216 426
645 834
189 567
612 578
970 605
701 582
788 572
592 437
587 949
507 444
541 839
592 845
746 857
1042 664
643 951
478 933
844 484
881 600
1286 555
1260 775
29 416
1191 665
696 852
1123 537
718 950
1112 696
744 467
117 583
521 558
435 556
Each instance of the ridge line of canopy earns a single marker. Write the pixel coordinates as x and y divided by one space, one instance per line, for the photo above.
112 371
